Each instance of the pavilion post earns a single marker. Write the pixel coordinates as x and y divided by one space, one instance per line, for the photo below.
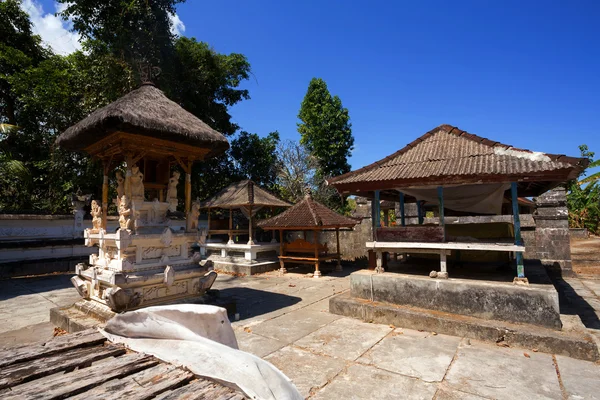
230 228
250 241
376 207
208 212
128 173
402 215
338 267
420 211
517 224
440 193
188 192
282 269
106 166
386 218
316 246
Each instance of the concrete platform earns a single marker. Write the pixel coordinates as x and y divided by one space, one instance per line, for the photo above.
576 343
86 314
239 265
535 304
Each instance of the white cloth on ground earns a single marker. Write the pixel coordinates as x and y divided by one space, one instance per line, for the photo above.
200 338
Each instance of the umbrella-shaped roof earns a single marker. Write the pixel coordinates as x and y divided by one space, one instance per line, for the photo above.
144 112
308 214
243 194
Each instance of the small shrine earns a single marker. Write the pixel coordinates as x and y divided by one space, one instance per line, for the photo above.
139 138
225 242
308 216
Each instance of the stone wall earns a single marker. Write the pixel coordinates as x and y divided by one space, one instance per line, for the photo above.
552 234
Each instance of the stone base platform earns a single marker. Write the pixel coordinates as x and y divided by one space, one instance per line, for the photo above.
86 314
572 341
535 304
242 266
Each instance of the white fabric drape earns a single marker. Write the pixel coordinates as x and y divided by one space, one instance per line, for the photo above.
200 338
482 199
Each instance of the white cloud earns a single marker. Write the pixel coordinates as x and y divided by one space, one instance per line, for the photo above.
53 30
177 25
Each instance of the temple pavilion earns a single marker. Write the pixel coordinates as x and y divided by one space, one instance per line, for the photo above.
244 198
143 138
307 216
461 173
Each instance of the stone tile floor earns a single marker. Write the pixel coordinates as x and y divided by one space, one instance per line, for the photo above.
286 321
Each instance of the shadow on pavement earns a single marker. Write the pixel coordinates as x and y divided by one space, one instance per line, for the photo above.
252 302
14 287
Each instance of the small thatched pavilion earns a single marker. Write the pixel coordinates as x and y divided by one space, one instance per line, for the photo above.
312 216
145 261
246 196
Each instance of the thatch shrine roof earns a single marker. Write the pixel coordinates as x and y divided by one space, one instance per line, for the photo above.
243 194
447 155
145 111
306 215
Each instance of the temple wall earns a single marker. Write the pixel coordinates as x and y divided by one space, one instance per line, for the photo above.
42 244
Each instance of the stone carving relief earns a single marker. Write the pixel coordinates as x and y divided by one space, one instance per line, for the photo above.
172 192
192 217
96 212
125 213
137 183
169 276
120 187
167 237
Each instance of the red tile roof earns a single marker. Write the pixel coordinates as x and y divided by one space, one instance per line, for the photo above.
448 152
308 214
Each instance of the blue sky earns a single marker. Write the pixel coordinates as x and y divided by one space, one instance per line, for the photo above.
522 73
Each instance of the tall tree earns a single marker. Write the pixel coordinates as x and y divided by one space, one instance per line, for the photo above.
325 129
256 157
296 169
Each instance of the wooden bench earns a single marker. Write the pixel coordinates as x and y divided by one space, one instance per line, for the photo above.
304 252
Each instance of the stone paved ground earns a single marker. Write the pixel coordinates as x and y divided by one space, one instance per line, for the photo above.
286 321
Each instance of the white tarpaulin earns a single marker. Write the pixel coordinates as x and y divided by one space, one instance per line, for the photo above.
482 199
200 338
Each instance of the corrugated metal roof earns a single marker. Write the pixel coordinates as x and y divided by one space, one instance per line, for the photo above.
449 151
307 214
243 194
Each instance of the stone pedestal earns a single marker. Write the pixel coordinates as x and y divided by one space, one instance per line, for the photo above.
552 235
149 265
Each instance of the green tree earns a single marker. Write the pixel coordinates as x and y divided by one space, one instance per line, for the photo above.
325 129
583 197
255 158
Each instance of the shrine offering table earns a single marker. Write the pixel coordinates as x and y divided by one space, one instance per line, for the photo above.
85 365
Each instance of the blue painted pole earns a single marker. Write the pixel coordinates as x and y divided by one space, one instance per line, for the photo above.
440 193
517 223
420 211
402 217
377 210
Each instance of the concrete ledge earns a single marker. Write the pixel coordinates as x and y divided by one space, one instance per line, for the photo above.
571 344
257 267
532 304
86 314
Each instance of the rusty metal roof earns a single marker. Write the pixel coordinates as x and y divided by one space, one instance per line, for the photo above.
448 152
243 194
308 214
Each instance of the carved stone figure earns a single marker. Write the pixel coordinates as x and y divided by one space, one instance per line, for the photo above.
172 191
137 183
125 213
192 217
96 212
120 185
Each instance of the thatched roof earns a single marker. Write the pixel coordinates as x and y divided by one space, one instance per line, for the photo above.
308 214
447 155
144 111
243 194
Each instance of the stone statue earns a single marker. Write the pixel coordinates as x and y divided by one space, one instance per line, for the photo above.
192 217
120 186
172 191
125 213
96 212
137 183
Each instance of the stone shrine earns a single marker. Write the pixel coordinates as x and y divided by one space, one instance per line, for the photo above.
142 138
